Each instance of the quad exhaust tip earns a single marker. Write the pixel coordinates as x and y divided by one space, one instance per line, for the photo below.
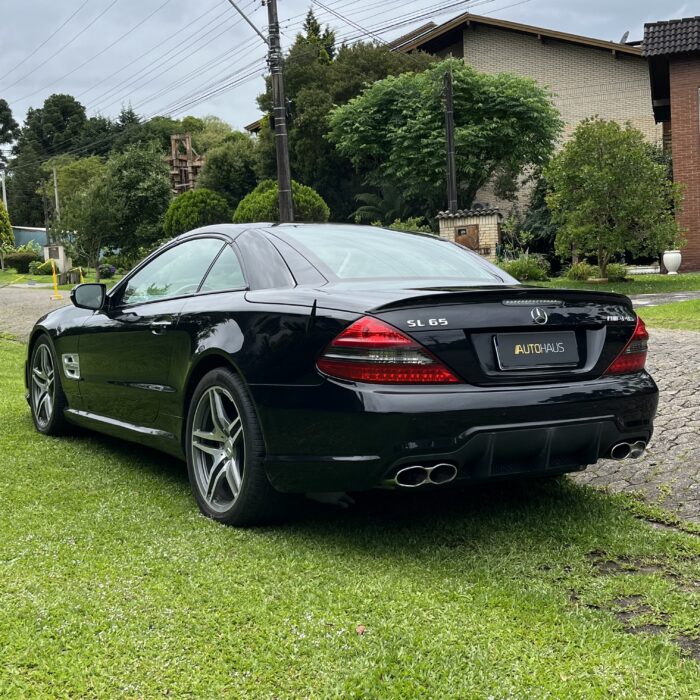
624 450
417 475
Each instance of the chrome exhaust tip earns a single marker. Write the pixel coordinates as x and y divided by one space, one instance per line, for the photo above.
637 449
442 473
417 475
411 477
621 450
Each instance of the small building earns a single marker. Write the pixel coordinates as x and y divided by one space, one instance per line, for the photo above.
478 229
25 234
673 51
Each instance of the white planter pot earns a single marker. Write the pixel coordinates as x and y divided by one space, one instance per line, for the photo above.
672 261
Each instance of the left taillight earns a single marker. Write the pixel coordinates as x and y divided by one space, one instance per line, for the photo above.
372 351
634 355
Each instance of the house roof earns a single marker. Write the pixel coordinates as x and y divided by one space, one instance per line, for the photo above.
463 213
673 36
413 35
541 33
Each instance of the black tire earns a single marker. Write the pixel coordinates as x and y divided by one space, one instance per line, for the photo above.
48 421
239 456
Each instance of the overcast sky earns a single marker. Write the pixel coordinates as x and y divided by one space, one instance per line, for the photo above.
198 57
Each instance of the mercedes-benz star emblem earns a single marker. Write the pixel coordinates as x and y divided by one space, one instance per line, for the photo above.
539 316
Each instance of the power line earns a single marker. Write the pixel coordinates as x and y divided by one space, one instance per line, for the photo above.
43 43
66 45
99 53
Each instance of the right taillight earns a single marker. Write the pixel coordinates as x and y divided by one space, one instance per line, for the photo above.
634 355
370 350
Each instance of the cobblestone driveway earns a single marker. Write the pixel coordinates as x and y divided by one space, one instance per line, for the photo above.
668 475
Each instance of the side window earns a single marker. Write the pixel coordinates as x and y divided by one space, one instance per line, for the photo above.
176 272
225 274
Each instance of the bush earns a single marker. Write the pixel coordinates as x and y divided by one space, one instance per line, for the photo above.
20 261
581 272
7 236
107 271
40 268
262 204
193 209
527 268
616 272
414 224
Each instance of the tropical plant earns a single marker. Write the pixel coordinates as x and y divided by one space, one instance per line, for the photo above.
262 204
387 206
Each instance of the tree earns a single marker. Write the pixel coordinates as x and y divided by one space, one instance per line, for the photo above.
214 133
609 195
7 236
138 186
394 132
262 204
230 169
9 128
388 206
193 209
317 77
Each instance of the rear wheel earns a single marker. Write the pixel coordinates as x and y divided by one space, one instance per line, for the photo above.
225 451
46 396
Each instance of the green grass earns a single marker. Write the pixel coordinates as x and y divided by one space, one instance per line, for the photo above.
12 277
637 284
682 315
112 585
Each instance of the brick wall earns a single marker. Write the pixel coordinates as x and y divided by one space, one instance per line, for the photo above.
585 81
685 120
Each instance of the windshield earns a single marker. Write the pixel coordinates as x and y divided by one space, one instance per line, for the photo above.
364 252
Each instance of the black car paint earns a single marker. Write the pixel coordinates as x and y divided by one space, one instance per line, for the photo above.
323 434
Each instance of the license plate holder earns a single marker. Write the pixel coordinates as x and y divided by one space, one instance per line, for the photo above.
530 351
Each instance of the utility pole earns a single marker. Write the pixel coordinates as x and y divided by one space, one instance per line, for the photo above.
55 194
4 192
450 142
284 177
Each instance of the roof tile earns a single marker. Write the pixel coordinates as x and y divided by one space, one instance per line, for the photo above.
671 37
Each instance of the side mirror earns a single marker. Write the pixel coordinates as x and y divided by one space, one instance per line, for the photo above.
89 296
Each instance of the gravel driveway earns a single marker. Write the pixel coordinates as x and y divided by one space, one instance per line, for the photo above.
668 475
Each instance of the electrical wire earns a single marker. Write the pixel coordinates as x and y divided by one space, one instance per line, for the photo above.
66 45
43 43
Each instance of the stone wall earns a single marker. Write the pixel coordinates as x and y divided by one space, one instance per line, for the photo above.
474 225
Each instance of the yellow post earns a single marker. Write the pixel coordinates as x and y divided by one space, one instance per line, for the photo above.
82 277
56 295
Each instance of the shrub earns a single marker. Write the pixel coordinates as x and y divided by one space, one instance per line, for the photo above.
414 224
193 209
581 271
616 272
7 237
527 268
107 271
36 267
20 260
262 204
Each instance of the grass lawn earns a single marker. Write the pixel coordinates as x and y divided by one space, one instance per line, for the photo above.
112 585
682 315
12 277
637 284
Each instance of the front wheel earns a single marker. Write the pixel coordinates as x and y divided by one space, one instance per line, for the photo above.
46 396
225 451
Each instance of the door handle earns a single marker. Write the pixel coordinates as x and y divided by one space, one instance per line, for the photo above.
158 327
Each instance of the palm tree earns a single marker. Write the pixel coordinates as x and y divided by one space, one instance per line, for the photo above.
387 207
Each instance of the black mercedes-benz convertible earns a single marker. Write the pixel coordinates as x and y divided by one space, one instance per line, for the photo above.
296 358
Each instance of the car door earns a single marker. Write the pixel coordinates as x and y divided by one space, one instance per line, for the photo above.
125 349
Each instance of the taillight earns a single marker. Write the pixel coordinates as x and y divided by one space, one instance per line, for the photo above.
634 355
372 351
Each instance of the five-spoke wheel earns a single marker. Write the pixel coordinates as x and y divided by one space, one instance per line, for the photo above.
46 396
225 453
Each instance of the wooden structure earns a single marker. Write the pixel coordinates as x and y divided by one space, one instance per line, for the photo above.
185 163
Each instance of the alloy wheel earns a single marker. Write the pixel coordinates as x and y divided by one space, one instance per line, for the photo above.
218 448
43 385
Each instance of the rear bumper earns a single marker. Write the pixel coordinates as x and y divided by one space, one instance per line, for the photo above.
339 437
